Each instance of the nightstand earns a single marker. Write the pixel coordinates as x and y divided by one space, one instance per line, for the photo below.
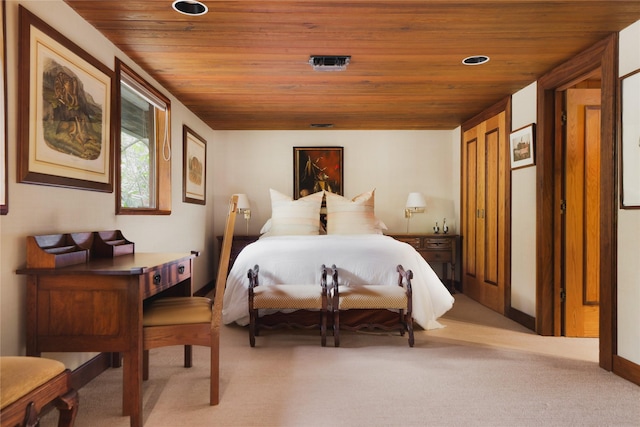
237 245
436 248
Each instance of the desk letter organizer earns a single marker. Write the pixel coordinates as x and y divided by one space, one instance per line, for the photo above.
61 250
54 251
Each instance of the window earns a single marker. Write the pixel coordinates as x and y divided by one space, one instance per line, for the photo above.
143 148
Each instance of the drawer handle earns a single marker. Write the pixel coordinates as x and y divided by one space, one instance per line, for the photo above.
181 269
157 279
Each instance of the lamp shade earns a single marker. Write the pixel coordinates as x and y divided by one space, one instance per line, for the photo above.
243 202
416 200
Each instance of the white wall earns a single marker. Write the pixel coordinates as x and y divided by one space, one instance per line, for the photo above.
393 162
523 212
629 229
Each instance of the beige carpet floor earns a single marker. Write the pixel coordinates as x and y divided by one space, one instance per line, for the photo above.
480 370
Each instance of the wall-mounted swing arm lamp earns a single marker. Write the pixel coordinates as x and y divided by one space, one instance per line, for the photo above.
244 207
416 203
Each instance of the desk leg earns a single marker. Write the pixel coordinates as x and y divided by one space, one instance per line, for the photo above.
132 387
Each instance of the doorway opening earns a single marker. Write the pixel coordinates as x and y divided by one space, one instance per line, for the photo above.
578 154
601 59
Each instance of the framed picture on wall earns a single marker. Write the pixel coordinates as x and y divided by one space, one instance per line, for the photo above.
4 186
521 143
316 169
630 150
66 104
194 170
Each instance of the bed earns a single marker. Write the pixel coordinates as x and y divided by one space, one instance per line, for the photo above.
294 244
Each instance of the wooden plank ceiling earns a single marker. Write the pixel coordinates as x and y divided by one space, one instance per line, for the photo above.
244 64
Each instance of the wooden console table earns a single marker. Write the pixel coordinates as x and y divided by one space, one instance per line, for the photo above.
96 306
441 248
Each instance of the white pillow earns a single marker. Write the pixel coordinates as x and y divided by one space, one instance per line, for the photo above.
354 216
267 226
294 217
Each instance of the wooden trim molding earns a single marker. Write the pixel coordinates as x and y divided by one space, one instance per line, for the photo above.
89 370
522 318
626 369
602 55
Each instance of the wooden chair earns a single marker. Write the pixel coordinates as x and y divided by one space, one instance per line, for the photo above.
287 297
390 297
192 320
28 384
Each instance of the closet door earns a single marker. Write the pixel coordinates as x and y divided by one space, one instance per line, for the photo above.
485 170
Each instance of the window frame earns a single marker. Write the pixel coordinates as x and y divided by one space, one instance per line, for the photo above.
162 182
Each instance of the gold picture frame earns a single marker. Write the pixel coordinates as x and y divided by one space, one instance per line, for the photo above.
194 169
65 135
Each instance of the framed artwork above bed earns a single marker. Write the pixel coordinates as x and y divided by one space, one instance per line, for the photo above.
316 169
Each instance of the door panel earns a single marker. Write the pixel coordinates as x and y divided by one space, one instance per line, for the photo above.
470 198
582 215
484 222
491 217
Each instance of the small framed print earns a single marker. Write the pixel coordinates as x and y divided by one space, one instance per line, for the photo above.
194 171
521 142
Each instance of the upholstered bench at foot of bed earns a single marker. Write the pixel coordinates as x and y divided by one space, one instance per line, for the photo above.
286 297
395 297
28 384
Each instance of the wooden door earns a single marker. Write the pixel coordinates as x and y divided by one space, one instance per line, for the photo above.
582 213
484 176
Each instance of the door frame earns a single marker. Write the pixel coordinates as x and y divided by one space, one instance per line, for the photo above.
602 55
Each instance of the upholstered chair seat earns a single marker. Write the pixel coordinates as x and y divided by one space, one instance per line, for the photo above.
28 384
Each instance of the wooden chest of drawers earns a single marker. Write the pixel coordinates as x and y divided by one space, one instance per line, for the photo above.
436 248
237 245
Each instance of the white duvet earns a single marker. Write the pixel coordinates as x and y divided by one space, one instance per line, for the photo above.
361 259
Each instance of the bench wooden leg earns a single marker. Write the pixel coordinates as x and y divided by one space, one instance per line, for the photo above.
323 328
410 329
336 328
188 356
252 327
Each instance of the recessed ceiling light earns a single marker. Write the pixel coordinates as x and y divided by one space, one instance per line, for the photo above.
475 60
190 7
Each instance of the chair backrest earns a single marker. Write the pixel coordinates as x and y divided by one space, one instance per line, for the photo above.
223 266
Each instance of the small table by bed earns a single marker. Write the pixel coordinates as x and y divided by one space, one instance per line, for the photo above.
438 248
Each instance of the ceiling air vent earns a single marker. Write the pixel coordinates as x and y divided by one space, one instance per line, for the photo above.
329 63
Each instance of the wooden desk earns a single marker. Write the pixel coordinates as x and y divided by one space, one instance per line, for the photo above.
97 307
441 248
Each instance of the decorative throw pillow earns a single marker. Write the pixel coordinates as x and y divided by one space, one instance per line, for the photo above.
355 216
294 217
